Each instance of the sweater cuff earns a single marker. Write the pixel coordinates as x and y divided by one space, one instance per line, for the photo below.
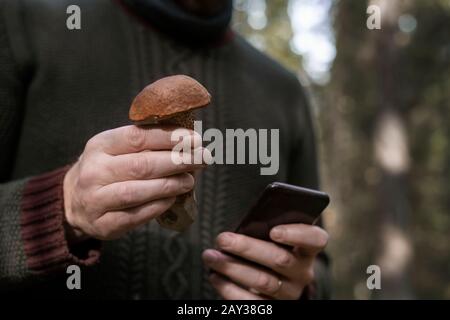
42 226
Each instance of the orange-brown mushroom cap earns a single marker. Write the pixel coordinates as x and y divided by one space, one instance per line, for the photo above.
168 97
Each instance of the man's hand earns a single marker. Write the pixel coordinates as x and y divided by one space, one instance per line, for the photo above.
124 178
267 270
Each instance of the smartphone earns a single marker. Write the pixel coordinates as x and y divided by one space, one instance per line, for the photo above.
282 203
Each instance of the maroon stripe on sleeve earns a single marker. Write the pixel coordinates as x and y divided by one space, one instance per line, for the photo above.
42 225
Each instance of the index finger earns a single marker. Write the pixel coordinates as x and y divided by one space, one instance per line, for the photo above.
262 252
132 139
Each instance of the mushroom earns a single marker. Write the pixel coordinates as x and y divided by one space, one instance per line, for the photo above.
171 100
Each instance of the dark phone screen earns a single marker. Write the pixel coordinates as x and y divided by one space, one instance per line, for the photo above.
282 203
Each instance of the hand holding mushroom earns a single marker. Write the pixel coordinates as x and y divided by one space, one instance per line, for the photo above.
125 176
170 101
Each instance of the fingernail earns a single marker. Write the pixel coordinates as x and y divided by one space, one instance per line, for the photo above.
277 233
225 240
210 256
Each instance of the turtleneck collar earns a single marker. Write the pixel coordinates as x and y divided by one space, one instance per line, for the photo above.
168 17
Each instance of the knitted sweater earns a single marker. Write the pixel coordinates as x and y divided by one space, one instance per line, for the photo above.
59 87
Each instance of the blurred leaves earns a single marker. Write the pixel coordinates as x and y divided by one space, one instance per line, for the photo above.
274 38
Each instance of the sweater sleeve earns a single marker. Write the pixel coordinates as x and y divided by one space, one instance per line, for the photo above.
32 235
303 171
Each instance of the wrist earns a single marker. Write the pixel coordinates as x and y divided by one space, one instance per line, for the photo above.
73 233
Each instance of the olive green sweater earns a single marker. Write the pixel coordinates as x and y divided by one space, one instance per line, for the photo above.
59 87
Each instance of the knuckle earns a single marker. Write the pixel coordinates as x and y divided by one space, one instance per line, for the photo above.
81 202
187 182
112 170
167 186
88 199
86 176
124 194
135 137
264 282
224 240
284 260
240 245
138 166
91 144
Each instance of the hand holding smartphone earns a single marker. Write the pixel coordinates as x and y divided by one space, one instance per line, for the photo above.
282 203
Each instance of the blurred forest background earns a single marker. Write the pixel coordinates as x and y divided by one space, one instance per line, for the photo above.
382 102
